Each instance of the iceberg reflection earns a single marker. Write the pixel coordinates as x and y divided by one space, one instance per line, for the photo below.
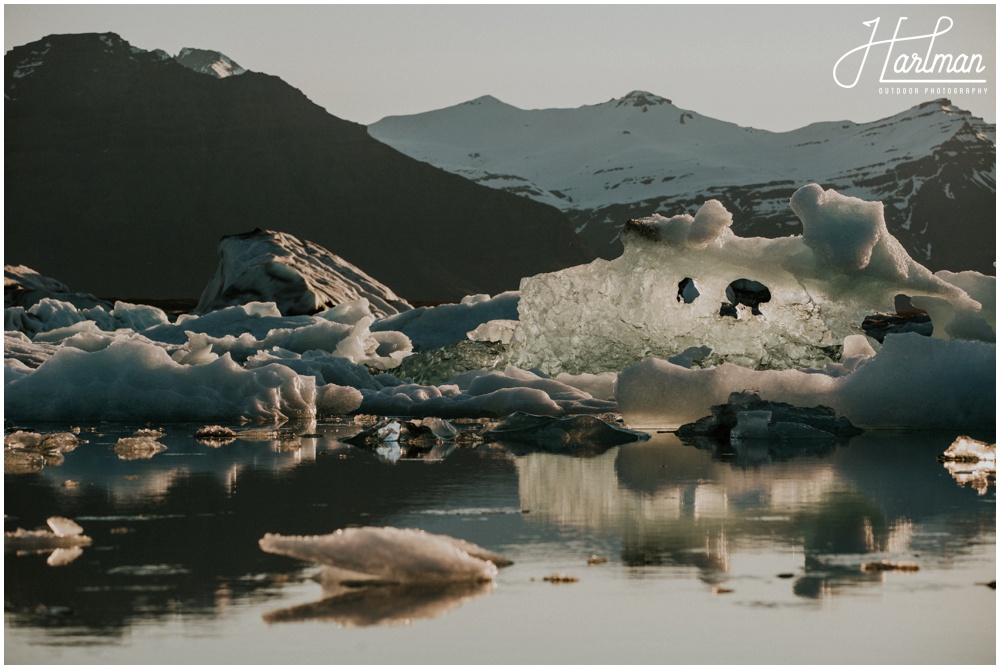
382 605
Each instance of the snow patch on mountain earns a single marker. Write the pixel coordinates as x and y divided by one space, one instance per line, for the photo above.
209 62
604 164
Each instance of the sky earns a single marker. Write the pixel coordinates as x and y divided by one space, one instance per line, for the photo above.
764 66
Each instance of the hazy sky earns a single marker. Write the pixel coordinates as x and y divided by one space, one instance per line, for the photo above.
767 66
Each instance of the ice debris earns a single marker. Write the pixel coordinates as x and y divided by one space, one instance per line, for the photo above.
29 452
64 539
971 462
762 303
746 416
914 382
579 435
389 555
24 287
435 327
300 277
140 447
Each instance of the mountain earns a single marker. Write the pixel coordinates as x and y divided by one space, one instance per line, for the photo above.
934 167
125 167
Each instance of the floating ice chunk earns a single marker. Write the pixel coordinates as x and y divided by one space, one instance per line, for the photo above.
913 382
501 330
434 327
573 434
389 555
130 380
971 463
608 315
967 449
138 448
63 533
299 276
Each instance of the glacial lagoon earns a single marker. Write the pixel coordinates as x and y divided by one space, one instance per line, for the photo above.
653 552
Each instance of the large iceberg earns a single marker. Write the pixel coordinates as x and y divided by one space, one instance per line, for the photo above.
299 276
688 282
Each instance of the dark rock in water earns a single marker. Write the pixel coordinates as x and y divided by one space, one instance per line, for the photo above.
747 416
575 435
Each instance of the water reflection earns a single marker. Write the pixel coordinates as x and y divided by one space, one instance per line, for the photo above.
177 535
836 507
384 605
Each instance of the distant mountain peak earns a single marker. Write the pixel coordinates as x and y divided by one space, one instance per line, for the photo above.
641 99
483 100
209 62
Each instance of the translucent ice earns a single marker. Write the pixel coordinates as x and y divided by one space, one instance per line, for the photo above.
688 282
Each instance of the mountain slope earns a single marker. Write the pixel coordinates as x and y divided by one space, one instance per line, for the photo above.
934 166
124 168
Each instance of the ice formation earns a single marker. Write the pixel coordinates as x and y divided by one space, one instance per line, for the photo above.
971 462
300 277
29 452
434 327
570 434
23 287
914 382
64 538
389 555
746 416
688 281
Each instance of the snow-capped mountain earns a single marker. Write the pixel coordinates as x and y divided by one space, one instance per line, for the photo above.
124 168
209 62
934 167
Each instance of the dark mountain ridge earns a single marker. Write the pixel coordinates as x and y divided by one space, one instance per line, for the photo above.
124 168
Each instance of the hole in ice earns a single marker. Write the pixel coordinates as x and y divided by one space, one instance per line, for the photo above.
746 292
687 292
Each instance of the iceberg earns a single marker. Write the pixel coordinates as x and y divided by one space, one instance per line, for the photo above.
300 277
914 382
764 304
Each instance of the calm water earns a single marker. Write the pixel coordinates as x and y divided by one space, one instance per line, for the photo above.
749 557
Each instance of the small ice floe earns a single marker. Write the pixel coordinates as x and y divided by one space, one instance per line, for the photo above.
429 439
747 416
64 538
364 556
581 434
971 462
29 452
138 448
560 578
215 435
